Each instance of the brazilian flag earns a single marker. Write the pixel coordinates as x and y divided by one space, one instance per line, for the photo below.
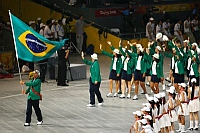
30 45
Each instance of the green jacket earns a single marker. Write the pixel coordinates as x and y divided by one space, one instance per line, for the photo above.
148 60
180 67
118 64
195 69
94 70
129 66
158 69
36 84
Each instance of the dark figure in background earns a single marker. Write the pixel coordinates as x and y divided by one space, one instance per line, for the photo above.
62 67
43 69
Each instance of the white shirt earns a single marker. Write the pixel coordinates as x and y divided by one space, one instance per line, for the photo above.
191 71
148 28
41 32
125 63
176 28
138 66
115 64
189 63
54 30
60 30
195 24
186 23
25 68
47 31
176 68
158 28
172 62
154 68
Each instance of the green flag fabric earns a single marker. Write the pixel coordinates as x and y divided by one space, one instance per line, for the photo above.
30 45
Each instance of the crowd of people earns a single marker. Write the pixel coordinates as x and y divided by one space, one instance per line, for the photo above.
130 67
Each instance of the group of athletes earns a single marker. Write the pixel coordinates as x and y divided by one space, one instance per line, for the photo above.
129 68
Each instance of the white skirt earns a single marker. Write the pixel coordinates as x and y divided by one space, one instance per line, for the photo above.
185 109
156 126
162 122
194 105
167 120
174 116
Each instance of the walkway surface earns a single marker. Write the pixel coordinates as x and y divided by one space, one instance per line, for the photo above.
64 108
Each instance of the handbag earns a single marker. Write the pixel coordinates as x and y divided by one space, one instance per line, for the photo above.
33 90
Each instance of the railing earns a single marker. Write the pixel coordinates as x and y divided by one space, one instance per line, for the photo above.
55 7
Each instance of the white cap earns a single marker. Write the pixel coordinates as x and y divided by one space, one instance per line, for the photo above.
147 127
186 41
156 56
138 113
143 121
165 38
193 80
31 22
195 44
39 18
94 56
158 35
150 99
116 51
182 84
171 90
159 48
52 21
37 71
145 109
41 25
148 117
151 18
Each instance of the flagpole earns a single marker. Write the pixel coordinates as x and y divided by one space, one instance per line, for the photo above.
13 33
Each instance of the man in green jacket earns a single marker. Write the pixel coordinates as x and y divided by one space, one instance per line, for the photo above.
34 88
95 79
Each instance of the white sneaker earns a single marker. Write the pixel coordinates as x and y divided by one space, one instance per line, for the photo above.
169 85
100 104
122 96
179 130
163 87
109 95
135 97
115 95
128 96
147 84
26 124
167 79
39 122
90 105
133 87
142 92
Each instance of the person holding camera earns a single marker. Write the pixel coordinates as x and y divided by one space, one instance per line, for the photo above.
62 68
